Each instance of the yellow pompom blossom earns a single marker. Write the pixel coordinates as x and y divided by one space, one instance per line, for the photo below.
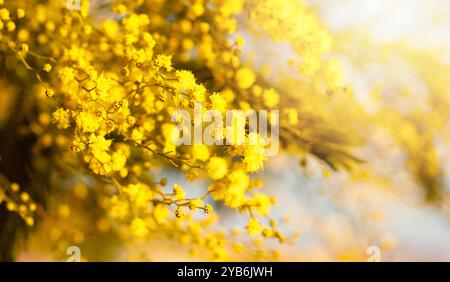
178 192
238 183
164 61
10 26
61 117
4 14
218 102
200 152
208 208
245 78
261 204
66 74
47 67
20 13
139 228
254 227
216 168
271 98
161 213
254 153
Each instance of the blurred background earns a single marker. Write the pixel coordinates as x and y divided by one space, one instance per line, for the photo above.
337 216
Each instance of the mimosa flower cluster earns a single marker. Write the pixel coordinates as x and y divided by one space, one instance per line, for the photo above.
102 87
